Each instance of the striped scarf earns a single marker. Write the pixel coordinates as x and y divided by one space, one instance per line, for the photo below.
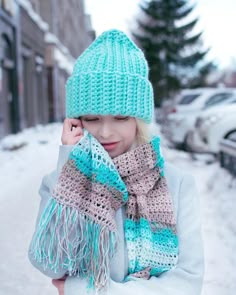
77 230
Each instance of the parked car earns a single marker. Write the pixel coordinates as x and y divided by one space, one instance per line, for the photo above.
211 127
180 122
227 153
169 105
232 136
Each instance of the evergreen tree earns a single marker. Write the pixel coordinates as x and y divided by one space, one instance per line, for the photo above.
174 54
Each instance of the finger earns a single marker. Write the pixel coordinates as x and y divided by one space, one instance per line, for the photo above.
78 131
69 123
67 126
76 122
56 283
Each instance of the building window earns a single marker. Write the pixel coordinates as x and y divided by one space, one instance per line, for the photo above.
6 86
27 86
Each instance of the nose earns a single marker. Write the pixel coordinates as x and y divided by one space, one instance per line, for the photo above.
106 131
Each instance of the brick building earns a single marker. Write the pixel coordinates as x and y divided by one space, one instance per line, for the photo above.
38 47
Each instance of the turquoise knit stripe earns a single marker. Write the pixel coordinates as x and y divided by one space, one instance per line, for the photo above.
163 239
96 164
152 243
159 158
146 246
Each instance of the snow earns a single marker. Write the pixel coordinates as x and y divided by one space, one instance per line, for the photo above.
64 62
29 155
61 54
217 196
51 38
33 15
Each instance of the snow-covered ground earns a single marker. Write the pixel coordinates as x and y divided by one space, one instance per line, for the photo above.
21 172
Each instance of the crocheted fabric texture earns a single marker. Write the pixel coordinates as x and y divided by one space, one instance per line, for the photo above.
77 229
110 77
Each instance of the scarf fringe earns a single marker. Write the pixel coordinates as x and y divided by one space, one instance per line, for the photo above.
64 238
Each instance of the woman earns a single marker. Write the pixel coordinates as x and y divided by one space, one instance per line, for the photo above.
114 217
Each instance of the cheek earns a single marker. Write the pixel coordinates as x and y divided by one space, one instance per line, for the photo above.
131 131
91 128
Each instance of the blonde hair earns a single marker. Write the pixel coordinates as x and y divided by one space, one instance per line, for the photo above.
144 132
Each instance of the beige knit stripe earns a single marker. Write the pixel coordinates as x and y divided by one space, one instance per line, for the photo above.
143 159
161 218
149 198
92 199
143 182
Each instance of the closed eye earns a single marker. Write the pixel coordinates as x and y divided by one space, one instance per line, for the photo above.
122 118
90 119
96 119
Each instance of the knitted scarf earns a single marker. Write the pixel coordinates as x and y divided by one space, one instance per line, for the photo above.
77 230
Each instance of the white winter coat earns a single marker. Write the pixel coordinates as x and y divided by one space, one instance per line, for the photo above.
185 279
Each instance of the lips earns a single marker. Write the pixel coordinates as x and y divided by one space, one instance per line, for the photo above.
109 146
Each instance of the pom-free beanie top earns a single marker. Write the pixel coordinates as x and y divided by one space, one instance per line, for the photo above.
110 78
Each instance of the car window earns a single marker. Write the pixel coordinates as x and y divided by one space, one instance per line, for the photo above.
232 136
188 98
217 98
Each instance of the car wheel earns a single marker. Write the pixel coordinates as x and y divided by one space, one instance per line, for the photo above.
185 146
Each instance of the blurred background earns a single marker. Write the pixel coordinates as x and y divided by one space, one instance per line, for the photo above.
190 49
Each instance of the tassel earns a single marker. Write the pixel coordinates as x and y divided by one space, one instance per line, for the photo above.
64 238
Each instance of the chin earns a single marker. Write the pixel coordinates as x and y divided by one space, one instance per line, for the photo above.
114 154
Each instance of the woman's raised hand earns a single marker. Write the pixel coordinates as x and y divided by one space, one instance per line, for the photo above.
72 131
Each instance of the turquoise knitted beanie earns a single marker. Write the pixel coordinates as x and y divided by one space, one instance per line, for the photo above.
110 78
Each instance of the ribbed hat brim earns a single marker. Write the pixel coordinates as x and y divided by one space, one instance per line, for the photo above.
109 92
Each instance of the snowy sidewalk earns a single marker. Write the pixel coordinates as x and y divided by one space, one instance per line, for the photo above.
217 192
20 176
